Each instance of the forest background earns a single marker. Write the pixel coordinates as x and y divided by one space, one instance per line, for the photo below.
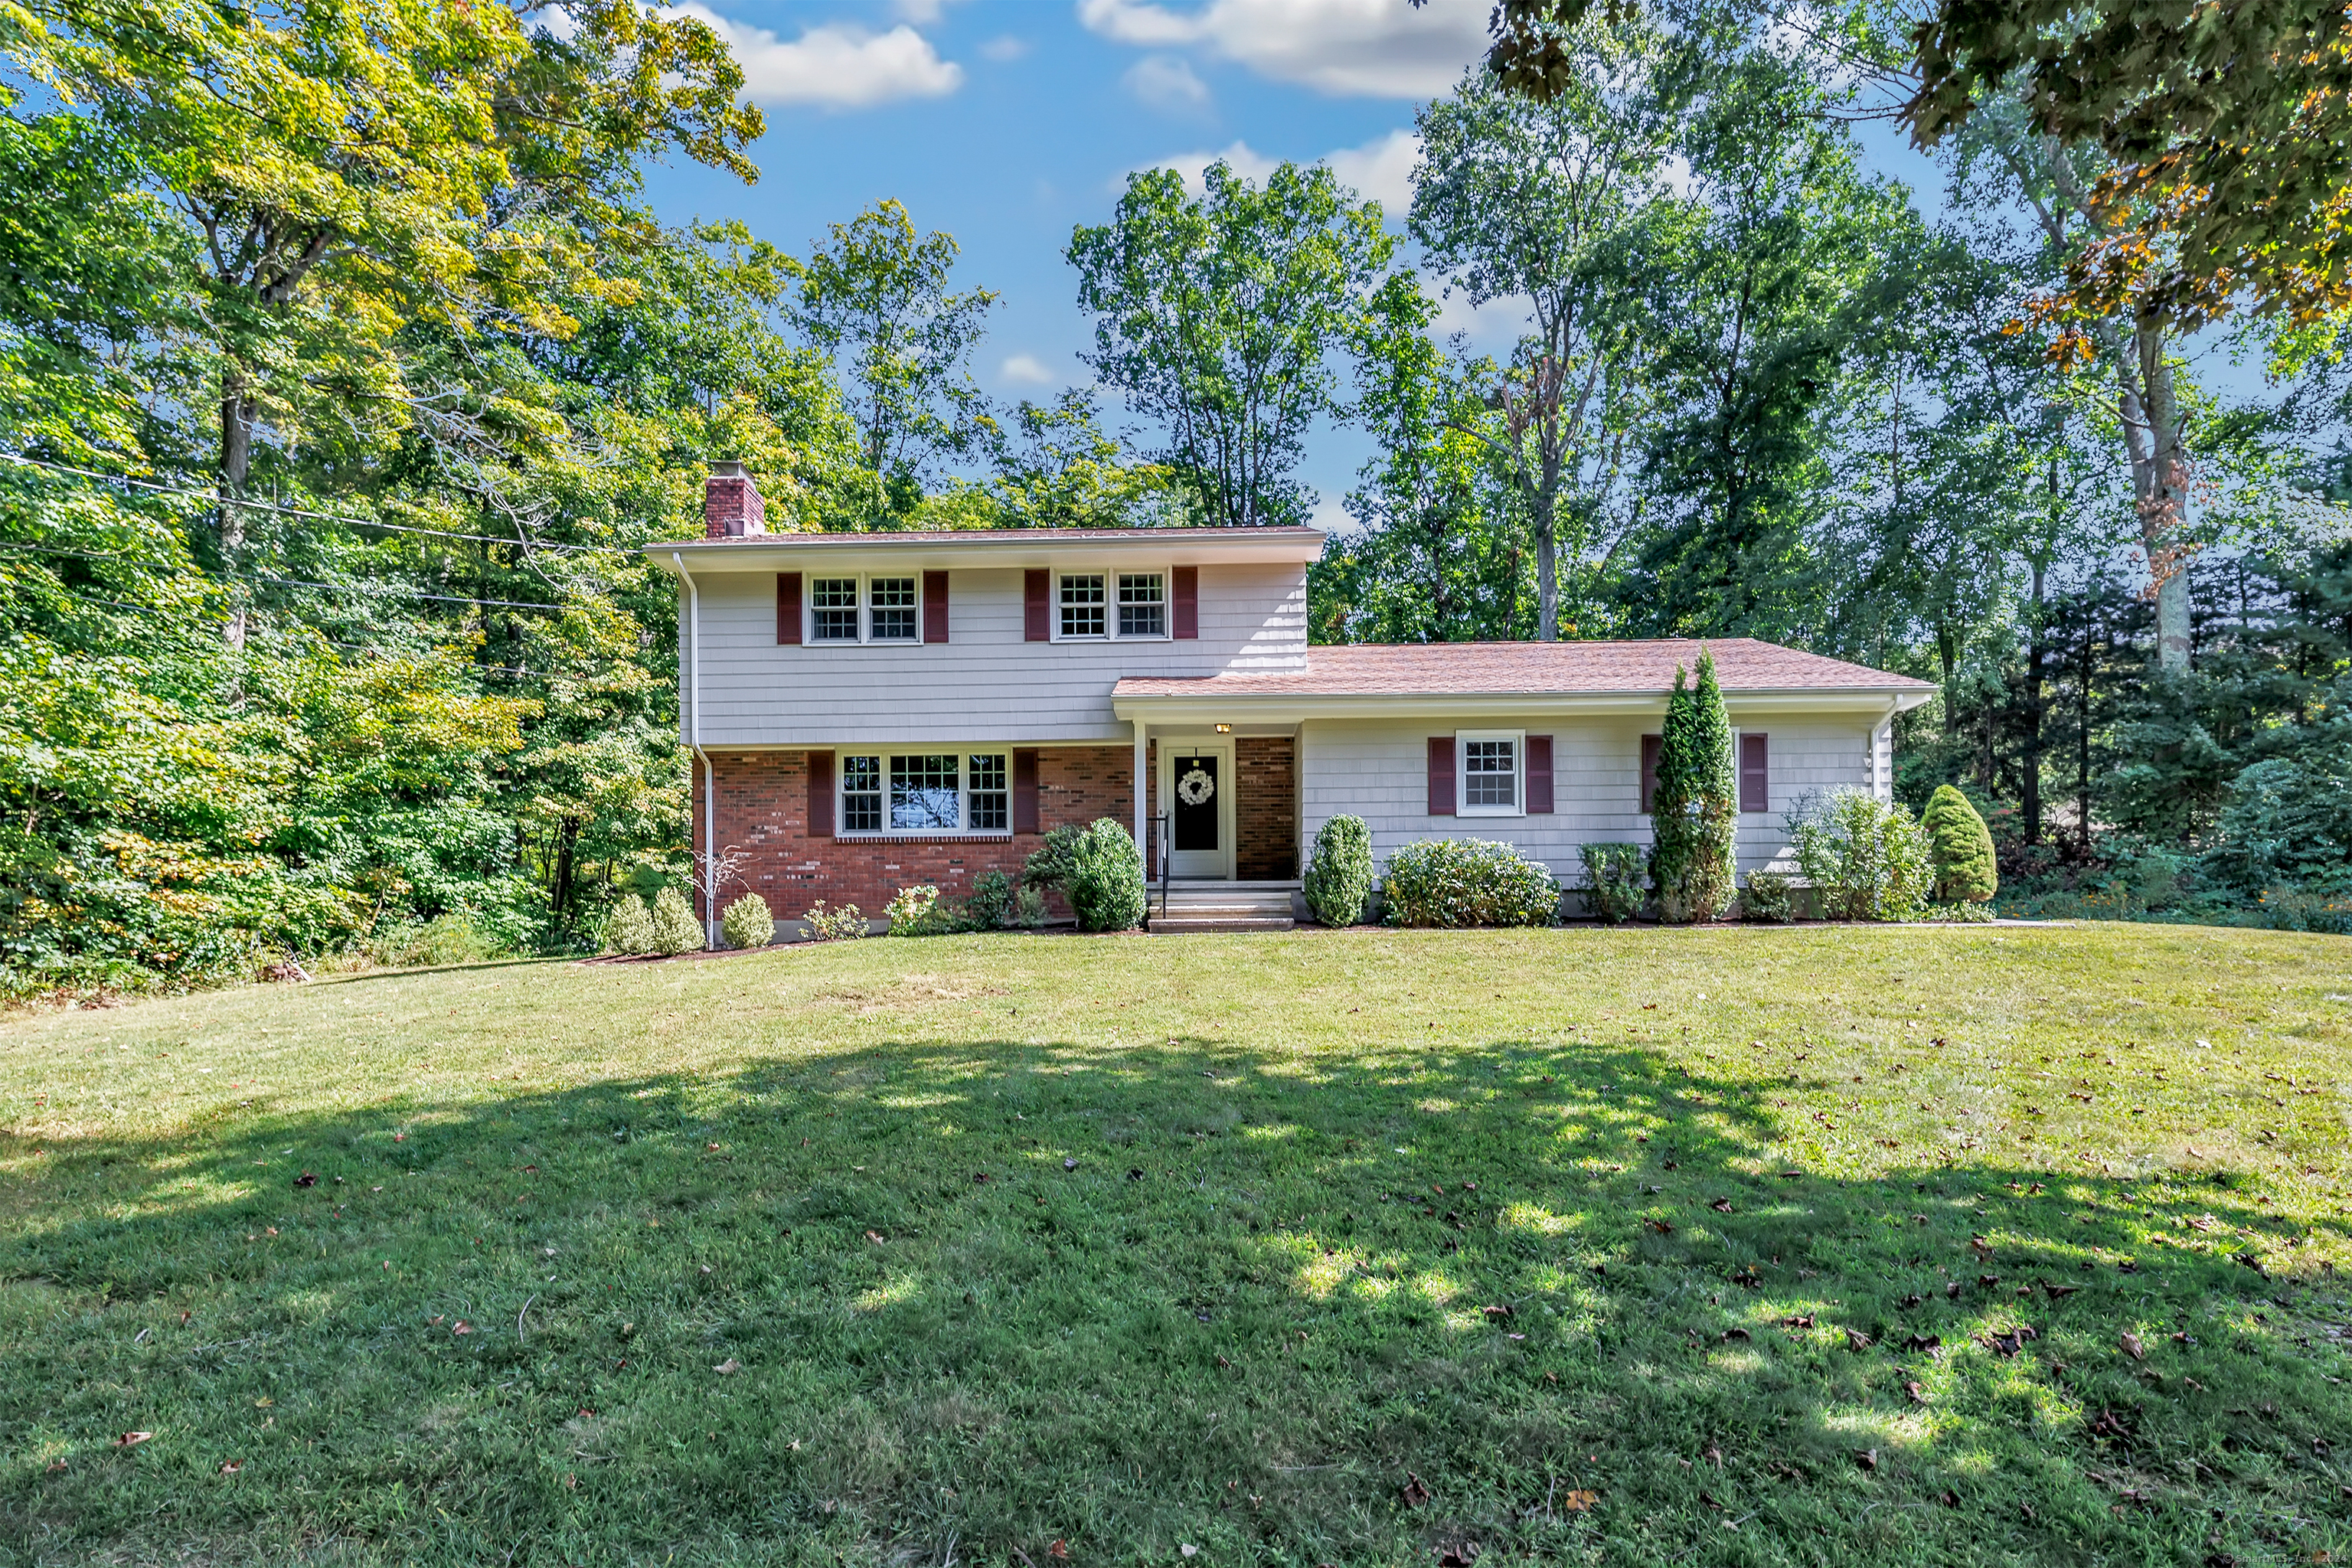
342 367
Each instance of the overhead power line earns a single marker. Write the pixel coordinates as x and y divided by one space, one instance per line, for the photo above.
214 499
364 588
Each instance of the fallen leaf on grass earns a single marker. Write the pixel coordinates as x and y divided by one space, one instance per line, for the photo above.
1949 1499
1663 1227
1720 1205
1187 1549
231 1466
1924 1342
729 1367
1497 1315
1579 1500
1917 1395
1059 1548
132 1439
1855 1340
1801 1320
1414 1492
1457 1554
305 1180
461 1327
1866 1457
2132 1346
2059 1292
875 1236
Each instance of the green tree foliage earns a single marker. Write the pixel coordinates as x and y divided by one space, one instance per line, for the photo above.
1218 317
874 300
1694 807
1339 881
1962 848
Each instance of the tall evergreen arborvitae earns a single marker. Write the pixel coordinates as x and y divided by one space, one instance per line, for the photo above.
1694 811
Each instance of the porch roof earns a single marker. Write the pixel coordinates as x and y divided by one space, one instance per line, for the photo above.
1742 666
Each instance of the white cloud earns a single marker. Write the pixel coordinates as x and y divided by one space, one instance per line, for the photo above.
1375 48
1006 50
1382 170
1246 160
1490 328
1026 370
1165 82
922 12
835 66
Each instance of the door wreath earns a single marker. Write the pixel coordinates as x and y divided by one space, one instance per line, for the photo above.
1195 787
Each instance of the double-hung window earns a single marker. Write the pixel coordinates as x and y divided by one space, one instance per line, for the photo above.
1110 606
865 609
927 793
1491 766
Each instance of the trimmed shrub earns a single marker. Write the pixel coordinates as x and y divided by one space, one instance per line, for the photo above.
627 928
746 922
1467 882
1048 866
990 905
1694 811
1339 872
1768 898
1961 847
1866 860
1104 878
917 911
843 924
1028 908
450 938
675 928
1612 882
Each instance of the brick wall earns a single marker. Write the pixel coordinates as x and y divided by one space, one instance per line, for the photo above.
1266 812
763 810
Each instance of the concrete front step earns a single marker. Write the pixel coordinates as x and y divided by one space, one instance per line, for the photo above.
1178 921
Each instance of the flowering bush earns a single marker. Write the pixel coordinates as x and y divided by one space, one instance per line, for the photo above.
1866 860
835 925
1467 882
917 911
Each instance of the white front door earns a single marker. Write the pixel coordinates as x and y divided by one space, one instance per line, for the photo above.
1196 788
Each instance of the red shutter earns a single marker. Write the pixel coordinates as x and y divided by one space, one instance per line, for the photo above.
1186 593
935 606
820 804
1441 775
1037 606
1650 747
1755 773
1024 792
1539 775
788 609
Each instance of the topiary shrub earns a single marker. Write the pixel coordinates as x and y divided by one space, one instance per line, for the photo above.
1339 871
746 922
1768 898
992 905
627 928
1103 881
1467 882
1612 882
1693 810
1048 866
1962 848
1866 860
676 928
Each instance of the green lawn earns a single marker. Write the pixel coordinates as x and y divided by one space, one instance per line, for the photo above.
1610 1246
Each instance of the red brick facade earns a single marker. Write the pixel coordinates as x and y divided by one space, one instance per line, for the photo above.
763 810
1266 811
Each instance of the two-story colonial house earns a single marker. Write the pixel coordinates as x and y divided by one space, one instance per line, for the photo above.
868 711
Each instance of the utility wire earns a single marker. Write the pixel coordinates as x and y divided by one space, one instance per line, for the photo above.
215 499
379 588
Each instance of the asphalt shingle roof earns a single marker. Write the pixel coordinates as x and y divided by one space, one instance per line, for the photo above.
1378 670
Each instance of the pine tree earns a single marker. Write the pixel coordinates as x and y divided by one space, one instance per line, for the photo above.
1961 846
1694 811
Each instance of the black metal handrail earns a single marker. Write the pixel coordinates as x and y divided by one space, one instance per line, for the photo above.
1161 835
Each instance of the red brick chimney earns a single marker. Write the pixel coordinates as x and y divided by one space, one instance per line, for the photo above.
731 506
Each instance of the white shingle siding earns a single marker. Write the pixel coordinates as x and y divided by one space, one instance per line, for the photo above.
1378 770
985 682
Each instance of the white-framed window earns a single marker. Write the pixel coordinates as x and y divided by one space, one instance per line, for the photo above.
1492 764
1110 606
937 790
860 609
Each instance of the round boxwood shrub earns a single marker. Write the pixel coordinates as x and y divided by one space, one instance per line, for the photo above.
1468 882
1339 871
1105 878
676 928
747 922
991 904
627 928
1961 846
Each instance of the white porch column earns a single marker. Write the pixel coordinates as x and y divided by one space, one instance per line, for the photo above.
1142 847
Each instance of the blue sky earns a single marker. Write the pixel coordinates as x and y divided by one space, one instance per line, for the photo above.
1005 122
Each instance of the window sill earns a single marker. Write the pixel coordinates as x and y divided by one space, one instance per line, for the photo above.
1490 811
910 836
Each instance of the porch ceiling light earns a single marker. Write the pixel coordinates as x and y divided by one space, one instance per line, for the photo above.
1225 728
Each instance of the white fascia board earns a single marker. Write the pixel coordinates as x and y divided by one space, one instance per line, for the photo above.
1026 548
1292 707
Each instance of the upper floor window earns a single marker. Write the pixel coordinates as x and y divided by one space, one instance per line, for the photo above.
927 792
1490 774
1111 606
865 609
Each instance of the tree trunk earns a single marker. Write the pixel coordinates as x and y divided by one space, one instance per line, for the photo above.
567 842
2030 765
236 465
2159 468
1546 568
